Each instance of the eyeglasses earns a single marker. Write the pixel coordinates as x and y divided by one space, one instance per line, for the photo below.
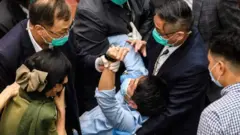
57 34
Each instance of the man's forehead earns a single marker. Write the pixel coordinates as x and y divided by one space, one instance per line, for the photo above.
61 24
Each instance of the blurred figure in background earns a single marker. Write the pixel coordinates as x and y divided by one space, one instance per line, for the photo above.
12 12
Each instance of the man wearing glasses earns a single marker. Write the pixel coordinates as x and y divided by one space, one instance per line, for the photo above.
176 52
48 26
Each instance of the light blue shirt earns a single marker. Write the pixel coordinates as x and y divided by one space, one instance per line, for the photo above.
111 114
132 61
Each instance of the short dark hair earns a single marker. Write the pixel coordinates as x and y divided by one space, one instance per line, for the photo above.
227 45
53 62
44 13
149 96
175 12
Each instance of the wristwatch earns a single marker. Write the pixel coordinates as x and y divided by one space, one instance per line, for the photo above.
109 58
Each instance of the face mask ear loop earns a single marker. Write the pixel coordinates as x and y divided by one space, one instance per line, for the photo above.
219 78
213 67
48 34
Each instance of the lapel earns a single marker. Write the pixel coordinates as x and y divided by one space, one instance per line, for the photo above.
196 10
177 55
153 51
26 44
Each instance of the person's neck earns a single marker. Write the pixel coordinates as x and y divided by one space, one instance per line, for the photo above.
231 79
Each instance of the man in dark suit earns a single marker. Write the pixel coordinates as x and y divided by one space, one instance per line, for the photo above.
12 12
95 21
48 26
176 52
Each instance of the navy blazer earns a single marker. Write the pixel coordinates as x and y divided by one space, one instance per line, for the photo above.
187 76
15 48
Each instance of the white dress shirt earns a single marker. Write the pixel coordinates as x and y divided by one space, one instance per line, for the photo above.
35 44
163 57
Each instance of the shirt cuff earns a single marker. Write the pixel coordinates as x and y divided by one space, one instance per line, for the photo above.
105 93
96 65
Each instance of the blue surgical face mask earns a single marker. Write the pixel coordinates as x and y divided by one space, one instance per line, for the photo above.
124 87
159 39
119 2
213 79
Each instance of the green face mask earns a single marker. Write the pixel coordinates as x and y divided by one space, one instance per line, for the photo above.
159 39
119 2
59 41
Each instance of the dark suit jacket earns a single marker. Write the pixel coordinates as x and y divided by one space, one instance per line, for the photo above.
11 13
15 48
213 15
95 21
187 76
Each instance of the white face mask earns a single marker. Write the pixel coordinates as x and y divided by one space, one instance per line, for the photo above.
213 79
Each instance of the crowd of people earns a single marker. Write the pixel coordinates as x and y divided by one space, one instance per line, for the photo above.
120 67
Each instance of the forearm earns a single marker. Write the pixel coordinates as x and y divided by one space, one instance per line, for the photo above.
61 122
4 97
107 80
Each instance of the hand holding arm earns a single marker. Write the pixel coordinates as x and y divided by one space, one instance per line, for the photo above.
139 45
7 93
60 104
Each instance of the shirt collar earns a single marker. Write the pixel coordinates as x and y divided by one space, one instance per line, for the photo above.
35 44
231 88
172 48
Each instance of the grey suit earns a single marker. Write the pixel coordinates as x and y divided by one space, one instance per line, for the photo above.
213 15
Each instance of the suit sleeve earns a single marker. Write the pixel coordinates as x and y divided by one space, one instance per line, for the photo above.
6 74
229 14
89 38
182 98
147 19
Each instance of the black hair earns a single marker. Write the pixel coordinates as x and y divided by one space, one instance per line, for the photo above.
227 45
53 62
44 13
149 96
175 12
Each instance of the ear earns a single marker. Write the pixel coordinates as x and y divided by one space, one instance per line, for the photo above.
180 35
132 104
39 29
222 68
